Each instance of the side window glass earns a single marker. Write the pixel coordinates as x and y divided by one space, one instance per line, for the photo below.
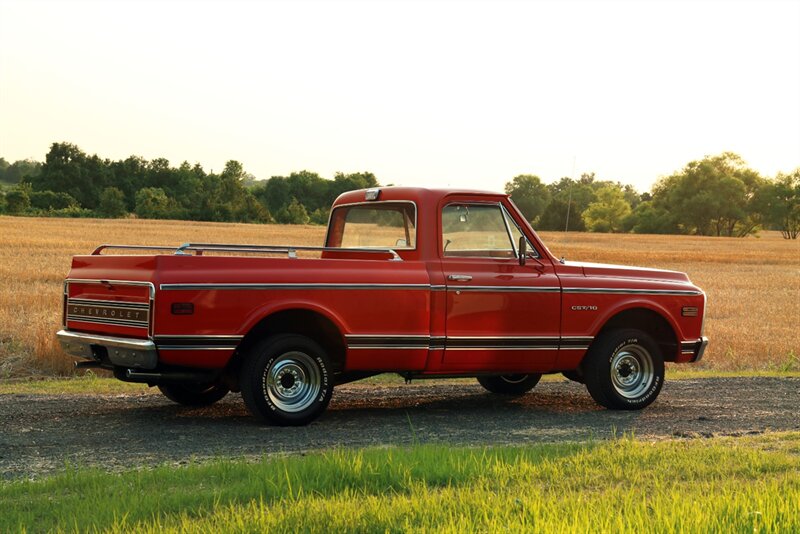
475 230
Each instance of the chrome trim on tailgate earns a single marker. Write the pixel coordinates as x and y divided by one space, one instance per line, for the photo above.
122 351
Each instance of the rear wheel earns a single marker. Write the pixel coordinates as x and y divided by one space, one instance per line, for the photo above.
194 394
286 380
512 385
624 370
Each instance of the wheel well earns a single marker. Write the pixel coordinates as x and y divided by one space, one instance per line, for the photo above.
650 322
299 321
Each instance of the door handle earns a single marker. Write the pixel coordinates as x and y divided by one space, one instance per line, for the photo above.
459 277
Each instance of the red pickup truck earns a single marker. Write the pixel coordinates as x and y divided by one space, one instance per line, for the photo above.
426 283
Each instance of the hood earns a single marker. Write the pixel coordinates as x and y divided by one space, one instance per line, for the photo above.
623 271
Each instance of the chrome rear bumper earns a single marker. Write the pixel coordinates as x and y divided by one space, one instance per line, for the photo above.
121 351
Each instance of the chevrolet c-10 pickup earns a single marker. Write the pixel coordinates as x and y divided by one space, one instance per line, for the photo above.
426 283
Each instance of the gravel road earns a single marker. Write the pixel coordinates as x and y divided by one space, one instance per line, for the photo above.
40 434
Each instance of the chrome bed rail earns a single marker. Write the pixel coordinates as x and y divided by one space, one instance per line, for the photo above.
198 249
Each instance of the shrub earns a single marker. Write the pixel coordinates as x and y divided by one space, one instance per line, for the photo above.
112 203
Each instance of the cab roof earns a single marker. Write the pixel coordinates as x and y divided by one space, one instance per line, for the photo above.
422 195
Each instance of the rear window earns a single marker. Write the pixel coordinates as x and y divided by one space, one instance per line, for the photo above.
374 225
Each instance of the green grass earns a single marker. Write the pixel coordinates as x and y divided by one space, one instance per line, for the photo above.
717 485
88 383
93 384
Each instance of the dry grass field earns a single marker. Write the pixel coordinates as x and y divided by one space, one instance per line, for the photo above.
753 284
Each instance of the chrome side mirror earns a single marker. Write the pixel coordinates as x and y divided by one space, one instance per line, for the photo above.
523 249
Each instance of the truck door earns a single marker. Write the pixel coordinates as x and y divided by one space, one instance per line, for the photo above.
501 316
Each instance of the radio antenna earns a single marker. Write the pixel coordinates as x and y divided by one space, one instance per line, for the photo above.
569 202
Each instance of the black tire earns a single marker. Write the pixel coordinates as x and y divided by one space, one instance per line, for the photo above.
511 385
624 370
286 380
194 394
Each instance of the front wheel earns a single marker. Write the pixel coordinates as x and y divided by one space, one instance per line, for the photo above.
286 380
193 394
511 385
624 370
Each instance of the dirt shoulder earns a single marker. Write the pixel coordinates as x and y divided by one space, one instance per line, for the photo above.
41 434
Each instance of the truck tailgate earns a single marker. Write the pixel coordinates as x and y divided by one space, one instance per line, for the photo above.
118 302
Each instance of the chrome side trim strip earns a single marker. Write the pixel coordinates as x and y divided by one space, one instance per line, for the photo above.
195 347
383 347
507 289
417 341
187 342
526 338
261 287
214 336
607 290
499 347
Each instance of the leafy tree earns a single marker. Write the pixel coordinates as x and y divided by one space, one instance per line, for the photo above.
713 196
569 196
153 203
158 174
649 219
632 196
779 202
3 203
129 176
18 171
294 213
18 200
608 212
348 182
530 195
275 193
555 217
319 216
50 200
112 203
309 189
65 170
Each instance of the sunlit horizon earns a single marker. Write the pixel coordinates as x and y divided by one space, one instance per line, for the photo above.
459 94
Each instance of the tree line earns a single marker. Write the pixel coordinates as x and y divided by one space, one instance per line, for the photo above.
718 195
71 183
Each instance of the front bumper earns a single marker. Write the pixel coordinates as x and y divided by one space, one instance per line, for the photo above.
119 351
695 348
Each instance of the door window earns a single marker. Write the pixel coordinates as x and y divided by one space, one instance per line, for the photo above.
475 230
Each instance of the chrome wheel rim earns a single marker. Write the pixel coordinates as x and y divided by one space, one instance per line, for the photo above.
632 371
293 382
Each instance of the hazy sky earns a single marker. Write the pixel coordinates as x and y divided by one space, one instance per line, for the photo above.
420 93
